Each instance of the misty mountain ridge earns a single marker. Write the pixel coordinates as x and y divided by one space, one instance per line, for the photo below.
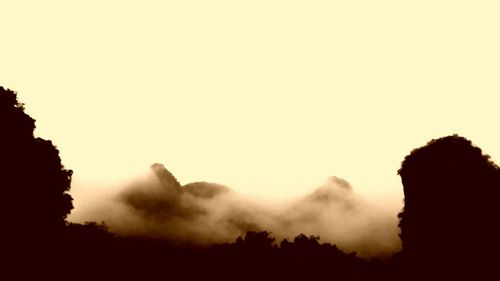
449 223
334 188
205 190
204 213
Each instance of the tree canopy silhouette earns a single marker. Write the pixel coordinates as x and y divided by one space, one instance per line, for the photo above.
450 216
449 222
34 183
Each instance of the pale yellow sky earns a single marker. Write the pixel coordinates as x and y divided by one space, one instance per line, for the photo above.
268 97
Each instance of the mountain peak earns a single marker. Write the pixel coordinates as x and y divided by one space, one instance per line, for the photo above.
166 177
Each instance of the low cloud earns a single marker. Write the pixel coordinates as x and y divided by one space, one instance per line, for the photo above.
202 213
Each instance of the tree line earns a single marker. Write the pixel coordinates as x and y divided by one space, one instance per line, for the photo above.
449 223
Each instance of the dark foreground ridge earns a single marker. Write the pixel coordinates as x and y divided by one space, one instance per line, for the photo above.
449 224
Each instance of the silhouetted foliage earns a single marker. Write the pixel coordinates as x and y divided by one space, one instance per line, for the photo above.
256 241
449 224
450 219
89 231
305 257
33 180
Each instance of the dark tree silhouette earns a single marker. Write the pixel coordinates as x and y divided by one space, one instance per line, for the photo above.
450 219
33 181
449 224
256 241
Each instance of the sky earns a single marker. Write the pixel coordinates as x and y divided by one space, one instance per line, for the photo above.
268 97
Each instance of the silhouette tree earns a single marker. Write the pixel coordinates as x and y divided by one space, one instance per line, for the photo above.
33 181
450 218
256 241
